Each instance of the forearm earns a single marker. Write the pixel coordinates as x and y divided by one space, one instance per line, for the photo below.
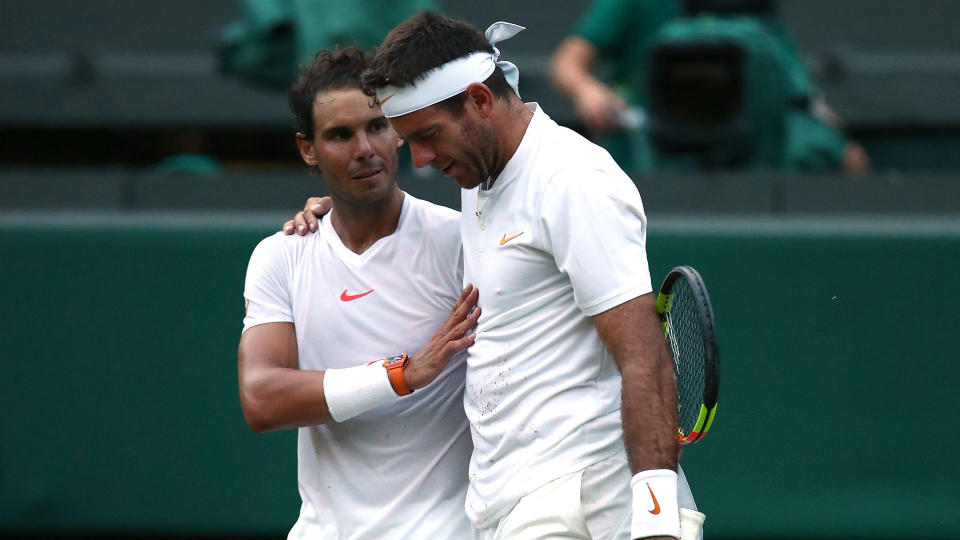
281 398
649 413
276 394
634 336
571 66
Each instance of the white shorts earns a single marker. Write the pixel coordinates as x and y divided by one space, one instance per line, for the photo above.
593 503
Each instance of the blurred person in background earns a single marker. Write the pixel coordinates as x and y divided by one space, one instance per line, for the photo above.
623 35
383 445
270 40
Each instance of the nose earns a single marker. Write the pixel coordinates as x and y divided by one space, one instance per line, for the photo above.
421 155
363 147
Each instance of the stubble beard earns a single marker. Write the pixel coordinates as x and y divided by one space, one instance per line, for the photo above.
484 160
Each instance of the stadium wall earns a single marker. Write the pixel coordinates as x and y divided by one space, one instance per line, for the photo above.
120 408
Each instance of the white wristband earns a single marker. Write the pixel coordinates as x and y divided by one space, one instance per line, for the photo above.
351 391
691 523
655 511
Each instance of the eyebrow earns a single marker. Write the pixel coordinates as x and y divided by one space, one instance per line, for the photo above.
336 129
419 133
341 127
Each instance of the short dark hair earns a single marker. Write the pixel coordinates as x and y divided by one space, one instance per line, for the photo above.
336 69
423 42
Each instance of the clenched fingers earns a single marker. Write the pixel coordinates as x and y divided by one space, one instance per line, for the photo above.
298 224
301 223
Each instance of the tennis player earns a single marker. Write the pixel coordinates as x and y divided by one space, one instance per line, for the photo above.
569 361
381 453
570 388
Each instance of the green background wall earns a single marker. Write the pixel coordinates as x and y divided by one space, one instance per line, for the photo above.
837 409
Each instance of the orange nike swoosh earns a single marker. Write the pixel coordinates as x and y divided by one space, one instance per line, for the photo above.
384 100
348 297
656 504
504 239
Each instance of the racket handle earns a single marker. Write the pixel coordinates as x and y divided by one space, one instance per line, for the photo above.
691 523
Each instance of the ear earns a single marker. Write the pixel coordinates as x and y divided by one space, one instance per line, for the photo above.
480 97
307 151
400 142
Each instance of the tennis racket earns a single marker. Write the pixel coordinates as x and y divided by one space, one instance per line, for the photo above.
690 328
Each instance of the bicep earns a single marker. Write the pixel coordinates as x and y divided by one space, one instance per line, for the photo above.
266 346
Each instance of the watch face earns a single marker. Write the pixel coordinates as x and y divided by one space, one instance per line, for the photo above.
395 361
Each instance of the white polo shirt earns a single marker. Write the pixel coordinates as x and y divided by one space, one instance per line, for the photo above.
398 471
560 237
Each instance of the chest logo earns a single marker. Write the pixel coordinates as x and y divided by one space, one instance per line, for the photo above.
504 239
348 297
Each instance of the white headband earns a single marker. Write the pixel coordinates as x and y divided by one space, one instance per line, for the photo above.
453 77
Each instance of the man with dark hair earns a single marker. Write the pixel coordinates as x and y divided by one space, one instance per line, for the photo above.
570 389
555 243
380 453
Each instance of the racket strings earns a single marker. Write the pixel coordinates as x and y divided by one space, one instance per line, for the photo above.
686 343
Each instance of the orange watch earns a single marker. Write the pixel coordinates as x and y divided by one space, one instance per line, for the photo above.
395 366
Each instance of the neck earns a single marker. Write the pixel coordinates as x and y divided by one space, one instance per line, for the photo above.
359 227
511 125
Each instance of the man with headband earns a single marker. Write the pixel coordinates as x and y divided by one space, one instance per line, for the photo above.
570 389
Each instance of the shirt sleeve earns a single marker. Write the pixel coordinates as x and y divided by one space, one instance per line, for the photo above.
267 287
605 25
596 228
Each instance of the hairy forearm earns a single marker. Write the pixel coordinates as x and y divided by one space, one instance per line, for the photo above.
649 412
281 398
634 336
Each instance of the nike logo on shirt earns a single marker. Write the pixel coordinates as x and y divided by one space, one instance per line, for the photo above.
504 239
348 297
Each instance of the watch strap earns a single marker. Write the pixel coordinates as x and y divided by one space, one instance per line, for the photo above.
395 366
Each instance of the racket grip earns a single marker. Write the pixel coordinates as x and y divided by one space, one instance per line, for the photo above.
691 523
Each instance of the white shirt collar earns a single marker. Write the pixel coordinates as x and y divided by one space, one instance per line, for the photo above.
518 161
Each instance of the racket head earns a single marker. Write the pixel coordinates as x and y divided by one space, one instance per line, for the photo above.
690 328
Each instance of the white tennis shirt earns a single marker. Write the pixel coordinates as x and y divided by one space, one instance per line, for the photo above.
560 237
398 471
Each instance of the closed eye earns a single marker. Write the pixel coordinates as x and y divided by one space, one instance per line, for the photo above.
424 135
